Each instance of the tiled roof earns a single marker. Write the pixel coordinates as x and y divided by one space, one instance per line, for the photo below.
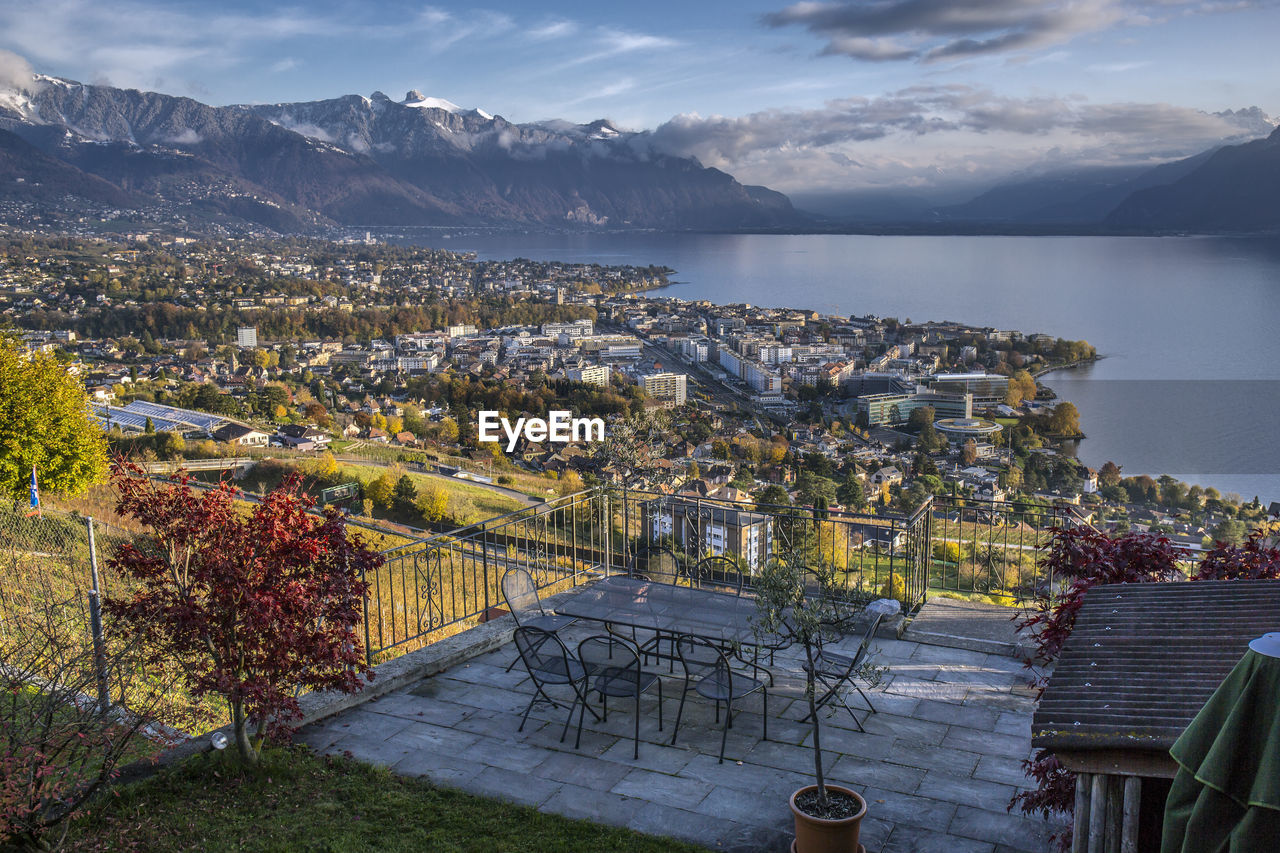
1143 659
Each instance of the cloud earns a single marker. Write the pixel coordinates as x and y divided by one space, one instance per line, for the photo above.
134 42
968 130
15 73
553 30
935 30
286 64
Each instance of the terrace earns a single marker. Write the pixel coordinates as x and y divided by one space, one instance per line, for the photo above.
938 761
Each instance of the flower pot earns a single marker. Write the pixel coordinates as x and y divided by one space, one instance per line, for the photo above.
821 835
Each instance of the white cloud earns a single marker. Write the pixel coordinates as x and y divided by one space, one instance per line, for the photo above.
932 134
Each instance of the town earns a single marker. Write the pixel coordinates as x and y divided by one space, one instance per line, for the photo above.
290 347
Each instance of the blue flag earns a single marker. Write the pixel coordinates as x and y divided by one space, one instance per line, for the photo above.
35 491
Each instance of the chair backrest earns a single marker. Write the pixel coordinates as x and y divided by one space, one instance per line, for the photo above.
865 645
543 653
613 659
521 594
656 563
701 656
719 573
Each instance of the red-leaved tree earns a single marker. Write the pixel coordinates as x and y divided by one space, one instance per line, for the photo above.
1251 561
255 606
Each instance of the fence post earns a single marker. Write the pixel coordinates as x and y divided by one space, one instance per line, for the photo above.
95 624
484 556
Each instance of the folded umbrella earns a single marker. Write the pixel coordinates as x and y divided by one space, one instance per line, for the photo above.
1226 795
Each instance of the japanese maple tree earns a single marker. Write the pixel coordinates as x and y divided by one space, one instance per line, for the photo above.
256 606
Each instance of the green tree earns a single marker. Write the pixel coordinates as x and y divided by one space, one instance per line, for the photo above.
1064 420
772 495
405 493
45 424
851 493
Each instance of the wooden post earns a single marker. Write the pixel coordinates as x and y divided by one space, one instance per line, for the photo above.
1132 808
1115 808
1080 828
1097 813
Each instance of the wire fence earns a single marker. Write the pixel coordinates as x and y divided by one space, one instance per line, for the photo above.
55 564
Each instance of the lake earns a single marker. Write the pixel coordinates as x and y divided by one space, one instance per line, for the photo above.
1189 326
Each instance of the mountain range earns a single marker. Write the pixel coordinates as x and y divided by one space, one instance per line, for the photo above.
375 161
359 161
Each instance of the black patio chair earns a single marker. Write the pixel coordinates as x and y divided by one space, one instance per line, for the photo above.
613 667
832 671
656 563
521 595
707 672
550 663
718 574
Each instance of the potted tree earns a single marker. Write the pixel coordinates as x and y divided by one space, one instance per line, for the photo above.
807 607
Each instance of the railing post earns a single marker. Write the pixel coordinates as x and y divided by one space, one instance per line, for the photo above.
368 648
95 624
484 557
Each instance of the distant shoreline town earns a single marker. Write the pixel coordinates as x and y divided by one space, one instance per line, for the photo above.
191 348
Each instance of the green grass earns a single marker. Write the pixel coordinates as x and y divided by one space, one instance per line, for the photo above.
297 801
487 502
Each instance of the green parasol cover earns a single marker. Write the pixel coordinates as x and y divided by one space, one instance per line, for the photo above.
1226 796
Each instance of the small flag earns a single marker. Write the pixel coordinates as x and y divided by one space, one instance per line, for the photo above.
35 494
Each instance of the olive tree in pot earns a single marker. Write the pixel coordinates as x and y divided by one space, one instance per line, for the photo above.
807 608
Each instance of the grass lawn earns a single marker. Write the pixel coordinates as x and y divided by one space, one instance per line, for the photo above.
487 502
297 801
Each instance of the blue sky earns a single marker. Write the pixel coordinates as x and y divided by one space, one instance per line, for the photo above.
802 96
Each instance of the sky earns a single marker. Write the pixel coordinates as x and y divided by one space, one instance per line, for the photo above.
805 97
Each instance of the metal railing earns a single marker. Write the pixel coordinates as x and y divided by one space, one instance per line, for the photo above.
994 547
440 585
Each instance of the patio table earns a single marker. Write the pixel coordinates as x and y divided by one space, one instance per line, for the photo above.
666 609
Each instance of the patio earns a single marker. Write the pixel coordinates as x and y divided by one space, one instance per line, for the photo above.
937 764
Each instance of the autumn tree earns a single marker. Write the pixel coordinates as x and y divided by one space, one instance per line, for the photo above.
433 502
255 606
45 424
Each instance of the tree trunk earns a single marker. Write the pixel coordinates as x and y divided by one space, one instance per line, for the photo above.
810 692
240 723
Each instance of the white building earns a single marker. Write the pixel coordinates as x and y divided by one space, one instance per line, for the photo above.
247 337
591 374
670 388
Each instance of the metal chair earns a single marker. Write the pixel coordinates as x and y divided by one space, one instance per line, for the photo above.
720 683
833 670
550 663
613 668
521 595
656 563
718 574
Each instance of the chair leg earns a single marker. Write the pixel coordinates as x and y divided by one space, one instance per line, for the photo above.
724 732
636 755
680 713
659 704
871 707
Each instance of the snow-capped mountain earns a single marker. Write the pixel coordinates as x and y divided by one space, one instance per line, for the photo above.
375 161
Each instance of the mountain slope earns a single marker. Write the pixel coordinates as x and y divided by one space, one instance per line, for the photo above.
373 161
1236 189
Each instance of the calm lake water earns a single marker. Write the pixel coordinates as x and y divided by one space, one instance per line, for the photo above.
1189 326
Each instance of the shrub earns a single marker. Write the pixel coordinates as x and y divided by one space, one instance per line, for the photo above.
257 606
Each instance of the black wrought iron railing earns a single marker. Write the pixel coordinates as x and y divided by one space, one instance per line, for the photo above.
436 586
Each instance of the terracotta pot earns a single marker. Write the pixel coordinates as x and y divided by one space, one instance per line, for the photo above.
818 835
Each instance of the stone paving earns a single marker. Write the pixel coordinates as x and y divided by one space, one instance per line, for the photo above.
937 764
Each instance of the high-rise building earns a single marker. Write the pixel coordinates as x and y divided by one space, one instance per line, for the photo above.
247 337
670 388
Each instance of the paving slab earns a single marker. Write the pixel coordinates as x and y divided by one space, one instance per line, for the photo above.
938 761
